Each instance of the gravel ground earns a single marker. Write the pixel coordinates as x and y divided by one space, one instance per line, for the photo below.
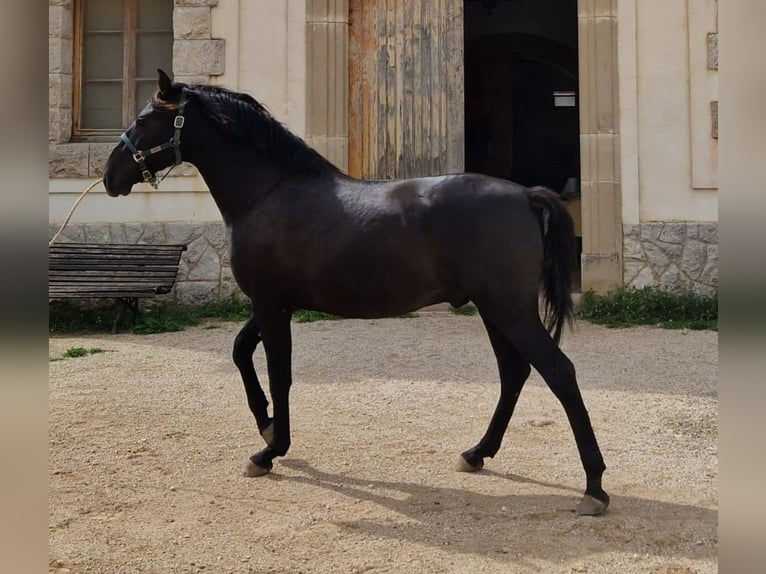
148 441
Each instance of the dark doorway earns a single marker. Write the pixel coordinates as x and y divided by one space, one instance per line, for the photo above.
521 92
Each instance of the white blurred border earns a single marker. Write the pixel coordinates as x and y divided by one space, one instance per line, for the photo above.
742 237
23 297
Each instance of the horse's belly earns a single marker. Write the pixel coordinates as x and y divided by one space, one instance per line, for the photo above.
372 305
366 292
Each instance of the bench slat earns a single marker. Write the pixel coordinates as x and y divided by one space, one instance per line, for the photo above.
115 258
120 280
116 288
138 285
107 294
98 279
127 254
86 271
130 257
113 254
114 247
108 287
122 286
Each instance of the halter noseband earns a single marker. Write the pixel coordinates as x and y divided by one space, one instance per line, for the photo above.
140 156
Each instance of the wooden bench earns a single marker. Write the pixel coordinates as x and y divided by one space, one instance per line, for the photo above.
125 273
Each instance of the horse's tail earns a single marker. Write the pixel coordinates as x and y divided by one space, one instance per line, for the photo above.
560 251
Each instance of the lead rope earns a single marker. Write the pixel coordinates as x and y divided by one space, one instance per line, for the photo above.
71 211
79 199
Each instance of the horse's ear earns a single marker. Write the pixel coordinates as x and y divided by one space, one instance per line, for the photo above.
164 82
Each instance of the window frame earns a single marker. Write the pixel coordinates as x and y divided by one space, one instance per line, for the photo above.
129 83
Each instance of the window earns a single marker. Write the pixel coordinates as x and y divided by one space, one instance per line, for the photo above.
119 44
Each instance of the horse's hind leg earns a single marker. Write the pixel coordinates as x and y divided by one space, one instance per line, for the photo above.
534 343
244 346
514 371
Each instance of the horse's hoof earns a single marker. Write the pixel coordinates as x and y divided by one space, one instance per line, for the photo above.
464 466
268 433
590 506
253 470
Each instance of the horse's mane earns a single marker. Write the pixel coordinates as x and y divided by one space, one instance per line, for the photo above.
242 117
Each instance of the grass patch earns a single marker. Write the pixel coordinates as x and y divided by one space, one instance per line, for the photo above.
307 316
649 306
168 318
74 352
165 321
468 310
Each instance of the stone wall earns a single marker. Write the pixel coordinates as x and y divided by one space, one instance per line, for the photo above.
204 274
672 256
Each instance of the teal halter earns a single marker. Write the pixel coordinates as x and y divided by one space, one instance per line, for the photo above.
140 156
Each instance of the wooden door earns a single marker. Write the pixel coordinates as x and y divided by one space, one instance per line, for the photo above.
406 110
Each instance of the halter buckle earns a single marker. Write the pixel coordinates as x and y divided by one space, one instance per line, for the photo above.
148 176
178 122
139 156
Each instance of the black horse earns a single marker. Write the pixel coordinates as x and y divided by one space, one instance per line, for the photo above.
305 236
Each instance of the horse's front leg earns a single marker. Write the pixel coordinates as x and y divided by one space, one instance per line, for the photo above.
244 347
274 327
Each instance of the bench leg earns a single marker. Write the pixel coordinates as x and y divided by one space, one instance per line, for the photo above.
130 303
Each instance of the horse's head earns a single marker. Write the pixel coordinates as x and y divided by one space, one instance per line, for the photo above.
151 143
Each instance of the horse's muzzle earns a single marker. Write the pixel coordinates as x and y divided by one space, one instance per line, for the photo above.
113 191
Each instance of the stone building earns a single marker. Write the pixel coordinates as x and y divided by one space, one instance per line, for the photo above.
611 102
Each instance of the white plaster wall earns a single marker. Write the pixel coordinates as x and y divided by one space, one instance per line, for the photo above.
178 199
658 126
627 65
265 55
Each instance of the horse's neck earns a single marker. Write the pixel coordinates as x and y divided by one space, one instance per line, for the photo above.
236 176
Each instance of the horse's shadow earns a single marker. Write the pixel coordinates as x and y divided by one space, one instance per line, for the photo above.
462 521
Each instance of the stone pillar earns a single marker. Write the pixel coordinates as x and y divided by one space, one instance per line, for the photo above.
60 31
197 57
327 79
599 146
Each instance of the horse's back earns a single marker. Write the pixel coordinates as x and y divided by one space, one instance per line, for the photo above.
464 233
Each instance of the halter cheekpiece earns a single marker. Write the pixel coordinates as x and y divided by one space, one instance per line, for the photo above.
139 156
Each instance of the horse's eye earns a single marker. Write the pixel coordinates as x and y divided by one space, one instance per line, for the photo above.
140 121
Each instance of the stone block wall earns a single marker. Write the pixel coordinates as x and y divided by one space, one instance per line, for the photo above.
672 256
204 274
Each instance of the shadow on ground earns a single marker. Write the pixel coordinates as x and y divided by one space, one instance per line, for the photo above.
463 522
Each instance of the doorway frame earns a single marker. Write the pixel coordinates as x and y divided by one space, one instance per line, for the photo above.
600 185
